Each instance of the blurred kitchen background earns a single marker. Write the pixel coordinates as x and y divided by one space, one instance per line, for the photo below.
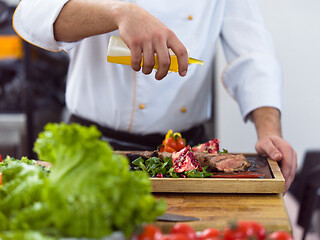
32 85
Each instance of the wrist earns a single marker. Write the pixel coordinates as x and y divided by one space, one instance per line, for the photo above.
268 132
267 122
120 11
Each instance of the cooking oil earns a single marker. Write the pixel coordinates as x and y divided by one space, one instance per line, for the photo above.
119 53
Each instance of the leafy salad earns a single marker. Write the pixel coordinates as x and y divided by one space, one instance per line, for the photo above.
181 161
157 167
89 192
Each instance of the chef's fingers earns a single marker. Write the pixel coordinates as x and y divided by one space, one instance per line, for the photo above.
266 147
181 52
136 53
163 60
270 146
148 58
289 161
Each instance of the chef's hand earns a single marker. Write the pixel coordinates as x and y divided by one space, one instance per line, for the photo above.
145 34
270 142
276 148
142 32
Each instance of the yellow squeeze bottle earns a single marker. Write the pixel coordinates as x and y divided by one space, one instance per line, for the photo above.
119 53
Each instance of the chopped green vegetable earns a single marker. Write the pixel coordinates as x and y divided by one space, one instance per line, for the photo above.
224 151
196 173
10 160
21 194
154 166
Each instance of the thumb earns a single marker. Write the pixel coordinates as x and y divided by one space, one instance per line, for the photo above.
267 147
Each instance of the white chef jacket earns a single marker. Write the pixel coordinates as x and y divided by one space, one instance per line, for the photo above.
115 96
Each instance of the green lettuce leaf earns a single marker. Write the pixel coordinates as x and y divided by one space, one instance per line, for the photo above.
23 182
89 192
92 184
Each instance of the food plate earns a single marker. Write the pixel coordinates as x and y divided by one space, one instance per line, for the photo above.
272 181
268 179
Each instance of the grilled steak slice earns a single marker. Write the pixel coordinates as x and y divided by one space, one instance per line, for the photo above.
227 163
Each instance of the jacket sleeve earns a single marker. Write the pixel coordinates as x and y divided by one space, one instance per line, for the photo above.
253 75
33 21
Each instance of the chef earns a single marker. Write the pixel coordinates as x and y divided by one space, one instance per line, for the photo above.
135 106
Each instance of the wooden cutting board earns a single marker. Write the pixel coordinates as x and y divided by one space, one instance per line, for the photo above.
218 210
272 181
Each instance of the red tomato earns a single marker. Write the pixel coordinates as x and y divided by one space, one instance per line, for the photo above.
233 234
171 142
245 229
175 236
209 233
212 238
161 148
0 178
181 143
150 232
0 158
169 149
280 235
186 230
253 229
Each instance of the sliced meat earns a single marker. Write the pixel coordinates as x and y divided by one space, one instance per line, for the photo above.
227 163
206 159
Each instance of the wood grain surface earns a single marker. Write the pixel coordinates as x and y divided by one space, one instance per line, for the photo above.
217 210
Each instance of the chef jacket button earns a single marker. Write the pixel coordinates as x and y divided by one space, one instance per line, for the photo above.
183 109
190 17
142 106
